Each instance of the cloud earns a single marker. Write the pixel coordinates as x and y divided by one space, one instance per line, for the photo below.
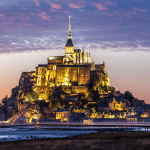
65 11
110 3
2 15
55 6
72 5
37 3
89 27
81 10
99 6
141 10
43 15
93 47
56 10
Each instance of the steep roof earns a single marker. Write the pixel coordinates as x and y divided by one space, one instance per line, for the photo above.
42 65
69 42
72 66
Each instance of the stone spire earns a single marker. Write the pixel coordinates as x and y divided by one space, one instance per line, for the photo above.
69 42
69 31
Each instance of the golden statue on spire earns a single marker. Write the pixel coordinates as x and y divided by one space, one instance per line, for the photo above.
69 31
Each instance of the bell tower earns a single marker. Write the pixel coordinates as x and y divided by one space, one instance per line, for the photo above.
69 48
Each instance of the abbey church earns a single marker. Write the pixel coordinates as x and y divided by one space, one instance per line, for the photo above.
74 69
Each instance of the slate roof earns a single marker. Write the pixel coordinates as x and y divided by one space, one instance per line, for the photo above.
77 50
69 42
72 66
42 65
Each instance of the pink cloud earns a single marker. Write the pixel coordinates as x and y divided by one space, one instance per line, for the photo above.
99 6
55 10
11 18
27 24
137 9
32 13
72 5
65 11
55 6
2 15
110 3
37 3
25 19
43 15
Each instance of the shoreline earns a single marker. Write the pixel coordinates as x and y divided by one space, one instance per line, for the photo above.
91 141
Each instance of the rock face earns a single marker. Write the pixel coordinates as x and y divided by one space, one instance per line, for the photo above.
26 83
9 107
26 115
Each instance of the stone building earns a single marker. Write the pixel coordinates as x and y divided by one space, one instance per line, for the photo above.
116 105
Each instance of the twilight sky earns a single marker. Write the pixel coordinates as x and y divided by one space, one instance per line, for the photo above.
114 31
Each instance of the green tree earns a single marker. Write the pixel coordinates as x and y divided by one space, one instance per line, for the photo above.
59 102
93 107
128 95
58 91
33 97
93 94
103 101
112 89
5 100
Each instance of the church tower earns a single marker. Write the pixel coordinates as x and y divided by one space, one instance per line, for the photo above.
69 48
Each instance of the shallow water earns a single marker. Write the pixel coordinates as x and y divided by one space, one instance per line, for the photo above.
9 134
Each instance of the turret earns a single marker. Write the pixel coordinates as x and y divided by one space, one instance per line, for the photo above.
104 67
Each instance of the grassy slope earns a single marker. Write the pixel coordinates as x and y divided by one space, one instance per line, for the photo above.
92 141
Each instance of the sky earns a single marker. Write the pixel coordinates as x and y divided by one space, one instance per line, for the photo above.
114 31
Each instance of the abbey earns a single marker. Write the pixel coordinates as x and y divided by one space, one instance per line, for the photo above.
74 69
70 88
